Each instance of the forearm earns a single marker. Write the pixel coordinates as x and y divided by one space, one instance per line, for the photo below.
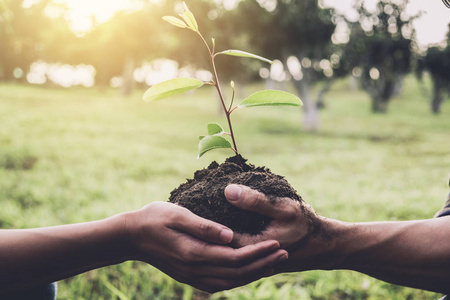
30 257
413 253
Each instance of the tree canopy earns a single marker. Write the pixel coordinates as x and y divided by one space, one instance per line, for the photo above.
381 47
26 35
299 33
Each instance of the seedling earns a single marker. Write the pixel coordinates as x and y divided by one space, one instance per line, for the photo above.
215 138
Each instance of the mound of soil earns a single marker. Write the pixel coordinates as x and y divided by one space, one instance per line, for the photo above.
204 195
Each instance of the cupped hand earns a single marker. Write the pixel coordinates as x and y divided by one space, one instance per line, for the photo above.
193 250
294 224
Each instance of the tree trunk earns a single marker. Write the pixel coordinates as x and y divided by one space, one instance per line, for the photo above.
379 105
353 83
325 89
127 76
311 119
6 72
381 92
436 101
398 86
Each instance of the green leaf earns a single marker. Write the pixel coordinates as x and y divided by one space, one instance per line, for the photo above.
271 97
190 18
175 21
245 54
211 142
170 88
215 129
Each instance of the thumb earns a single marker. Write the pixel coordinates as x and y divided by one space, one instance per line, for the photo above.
246 198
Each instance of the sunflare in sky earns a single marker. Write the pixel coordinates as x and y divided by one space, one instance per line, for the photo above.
82 11
431 27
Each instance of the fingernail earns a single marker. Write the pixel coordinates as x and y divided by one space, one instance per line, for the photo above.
275 246
233 192
282 257
226 235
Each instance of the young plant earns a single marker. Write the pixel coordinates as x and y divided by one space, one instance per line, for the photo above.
172 87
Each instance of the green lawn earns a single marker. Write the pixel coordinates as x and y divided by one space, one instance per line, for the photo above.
73 155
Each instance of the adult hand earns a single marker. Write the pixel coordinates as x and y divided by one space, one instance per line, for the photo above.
192 249
293 224
410 253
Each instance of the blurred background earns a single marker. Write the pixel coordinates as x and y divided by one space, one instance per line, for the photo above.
77 143
124 44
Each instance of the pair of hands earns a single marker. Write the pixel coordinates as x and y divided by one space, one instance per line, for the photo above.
194 250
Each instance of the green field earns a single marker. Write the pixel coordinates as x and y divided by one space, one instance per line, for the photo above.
73 155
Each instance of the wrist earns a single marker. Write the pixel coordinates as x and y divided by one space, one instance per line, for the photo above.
320 249
123 225
342 243
327 239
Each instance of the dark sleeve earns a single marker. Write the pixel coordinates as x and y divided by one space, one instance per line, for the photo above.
445 210
44 292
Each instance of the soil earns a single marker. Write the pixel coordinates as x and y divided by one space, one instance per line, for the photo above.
204 195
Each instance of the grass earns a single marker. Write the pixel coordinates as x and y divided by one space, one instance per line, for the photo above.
77 155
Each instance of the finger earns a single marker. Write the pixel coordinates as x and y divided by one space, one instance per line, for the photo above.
216 279
246 198
254 268
202 228
230 257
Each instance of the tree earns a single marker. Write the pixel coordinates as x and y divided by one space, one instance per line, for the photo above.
117 46
38 30
437 62
381 44
299 30
23 31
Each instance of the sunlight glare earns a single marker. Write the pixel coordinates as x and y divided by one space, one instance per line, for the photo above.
84 13
431 27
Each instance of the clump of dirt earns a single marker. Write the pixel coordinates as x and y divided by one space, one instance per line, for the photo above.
204 195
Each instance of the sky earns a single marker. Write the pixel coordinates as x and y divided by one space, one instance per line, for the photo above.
431 27
81 11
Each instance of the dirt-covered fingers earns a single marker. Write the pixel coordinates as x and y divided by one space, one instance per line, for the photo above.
201 228
248 199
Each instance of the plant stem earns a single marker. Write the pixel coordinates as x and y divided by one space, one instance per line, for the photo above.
231 103
227 113
219 91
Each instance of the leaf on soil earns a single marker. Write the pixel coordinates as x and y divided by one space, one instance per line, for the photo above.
211 142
